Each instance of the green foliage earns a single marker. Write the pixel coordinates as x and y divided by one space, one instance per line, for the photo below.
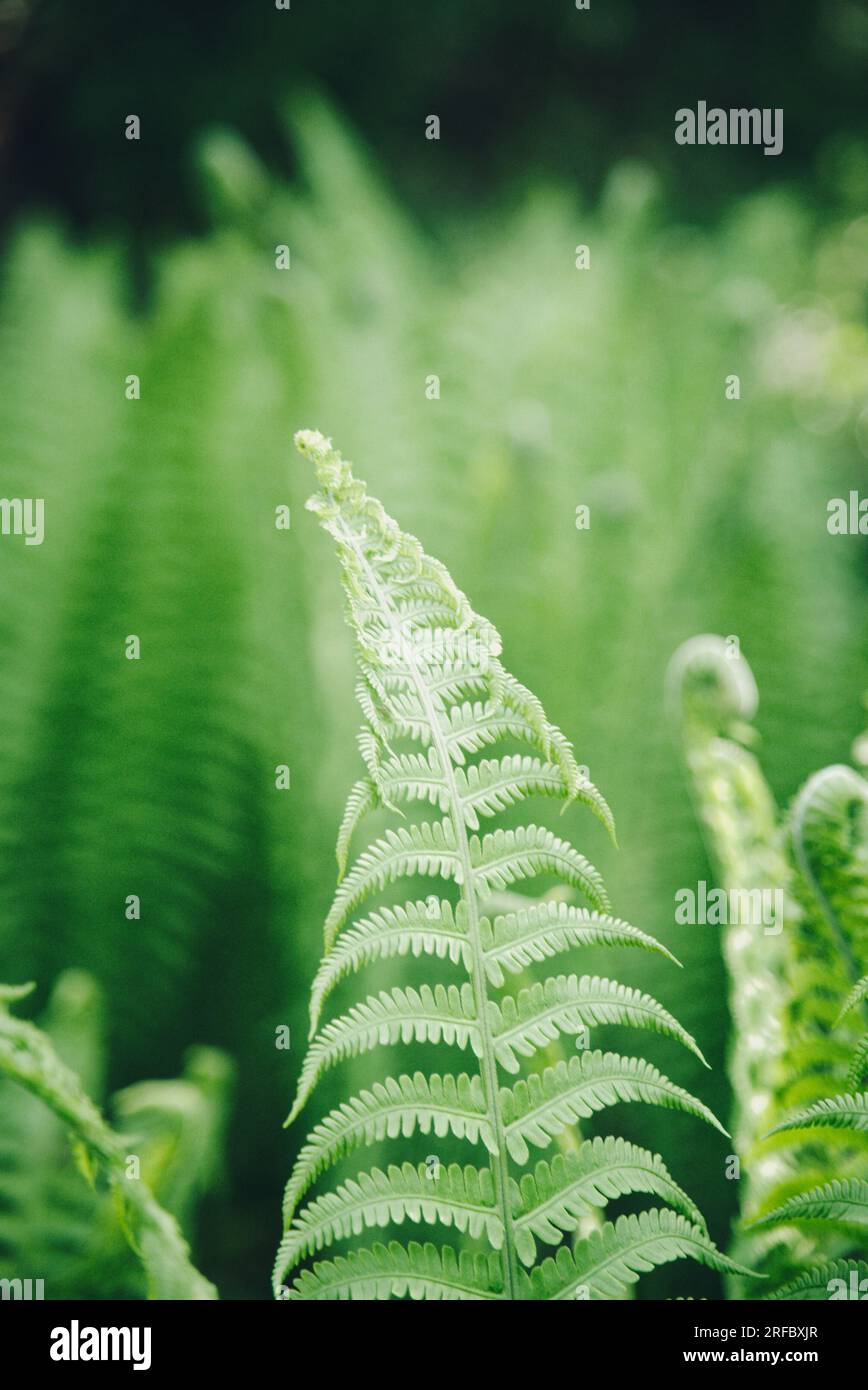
71 1212
558 387
804 1197
431 676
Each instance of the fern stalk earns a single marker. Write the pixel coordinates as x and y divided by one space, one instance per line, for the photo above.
488 1069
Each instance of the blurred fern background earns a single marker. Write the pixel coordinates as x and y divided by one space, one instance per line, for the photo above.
558 387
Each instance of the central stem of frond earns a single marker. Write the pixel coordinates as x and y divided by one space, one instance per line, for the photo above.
487 1062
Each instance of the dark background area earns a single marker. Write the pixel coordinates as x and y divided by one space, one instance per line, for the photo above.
514 84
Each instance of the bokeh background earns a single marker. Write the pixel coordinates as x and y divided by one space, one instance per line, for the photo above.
558 387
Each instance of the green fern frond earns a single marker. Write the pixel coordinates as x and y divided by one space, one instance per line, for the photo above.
557 1195
856 995
427 848
542 930
404 1106
843 1201
435 1273
785 995
541 1106
434 694
857 1072
430 928
463 1197
506 857
423 1015
28 1057
836 1112
851 1277
362 799
712 694
608 1262
565 1004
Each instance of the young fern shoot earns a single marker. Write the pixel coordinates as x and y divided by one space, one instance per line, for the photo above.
828 833
798 1061
434 695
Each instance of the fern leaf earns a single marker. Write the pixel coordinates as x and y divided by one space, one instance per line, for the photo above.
836 1112
418 849
434 694
857 1072
422 1015
435 1104
785 991
608 1262
508 856
397 1271
829 833
422 927
554 1198
843 1200
537 1109
463 1197
567 1004
855 997
543 930
361 800
493 784
819 1283
415 777
474 726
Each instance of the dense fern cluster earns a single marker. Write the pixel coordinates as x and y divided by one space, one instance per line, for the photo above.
798 1060
434 695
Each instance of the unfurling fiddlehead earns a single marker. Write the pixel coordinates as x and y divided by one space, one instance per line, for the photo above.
797 1064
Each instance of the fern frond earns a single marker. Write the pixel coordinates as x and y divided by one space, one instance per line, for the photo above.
836 1112
509 856
475 725
857 1072
27 1056
608 1262
404 1105
566 1004
817 1283
422 1015
362 799
415 777
495 783
843 1201
829 830
538 932
430 928
785 994
463 1197
428 848
416 1271
538 1108
712 696
856 995
434 694
556 1196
